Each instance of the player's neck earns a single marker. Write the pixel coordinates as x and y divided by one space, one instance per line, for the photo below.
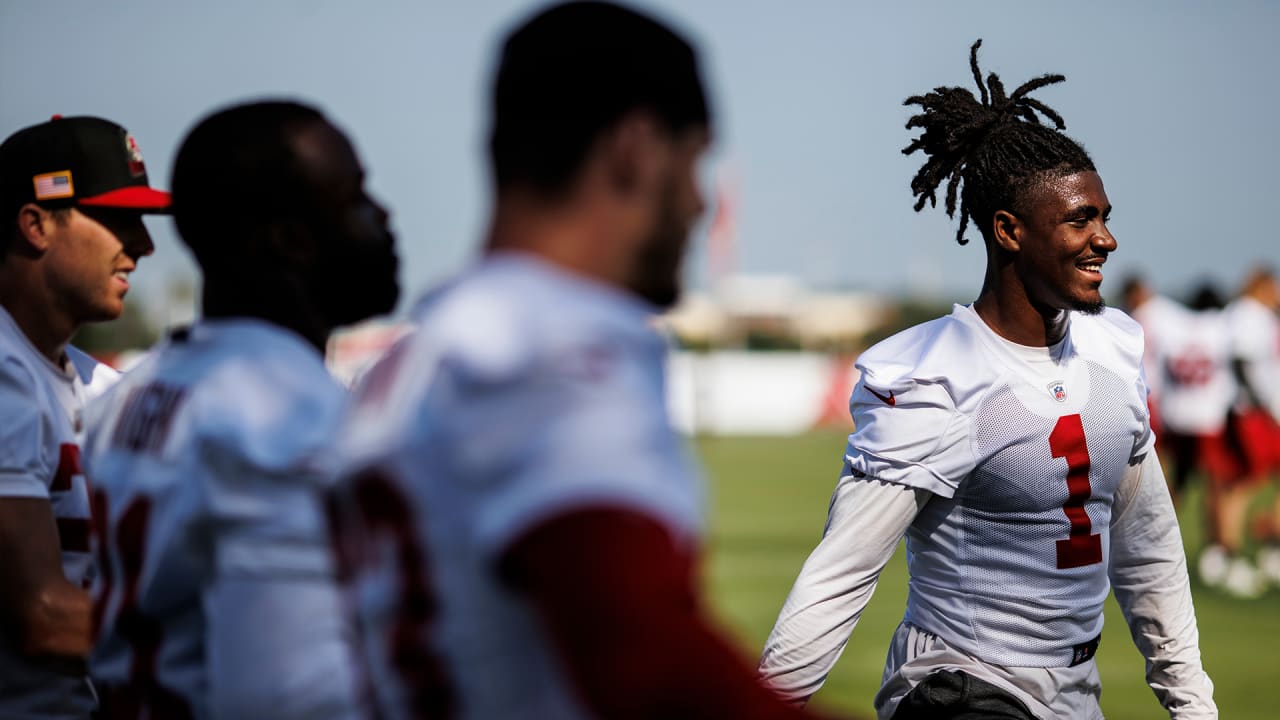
572 238
39 316
1011 315
280 302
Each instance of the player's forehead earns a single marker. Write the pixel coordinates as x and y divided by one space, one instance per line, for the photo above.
1062 193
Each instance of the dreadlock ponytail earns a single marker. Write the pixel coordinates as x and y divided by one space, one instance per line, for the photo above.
994 144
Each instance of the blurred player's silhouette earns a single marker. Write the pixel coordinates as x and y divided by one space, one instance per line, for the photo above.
522 524
217 597
1153 312
1253 439
1009 442
72 192
1193 370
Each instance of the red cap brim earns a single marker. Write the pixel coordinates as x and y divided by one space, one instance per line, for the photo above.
136 197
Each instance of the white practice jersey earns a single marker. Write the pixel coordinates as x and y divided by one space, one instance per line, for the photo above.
217 596
1255 333
1194 358
41 407
1024 482
1023 450
524 393
1155 315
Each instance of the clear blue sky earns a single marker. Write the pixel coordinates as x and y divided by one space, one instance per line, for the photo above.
1177 101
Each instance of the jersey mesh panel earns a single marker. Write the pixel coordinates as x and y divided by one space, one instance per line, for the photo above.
1012 513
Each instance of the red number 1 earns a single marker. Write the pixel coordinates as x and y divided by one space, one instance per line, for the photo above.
1080 548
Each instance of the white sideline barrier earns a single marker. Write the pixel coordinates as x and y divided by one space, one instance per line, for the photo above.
758 393
718 393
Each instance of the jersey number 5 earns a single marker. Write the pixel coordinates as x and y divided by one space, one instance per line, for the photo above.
1082 547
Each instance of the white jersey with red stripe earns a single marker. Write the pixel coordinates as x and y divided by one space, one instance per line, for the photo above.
217 596
1194 357
1023 449
41 406
524 393
1255 335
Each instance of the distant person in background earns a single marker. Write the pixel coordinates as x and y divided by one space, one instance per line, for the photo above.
1194 359
1253 432
1153 312
1194 370
72 192
218 597
1009 442
522 525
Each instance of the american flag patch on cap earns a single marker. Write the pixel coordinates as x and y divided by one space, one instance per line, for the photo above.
52 186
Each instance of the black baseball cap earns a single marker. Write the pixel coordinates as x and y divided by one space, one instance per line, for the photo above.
77 161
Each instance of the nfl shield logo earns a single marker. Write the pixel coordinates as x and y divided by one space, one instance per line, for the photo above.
1058 390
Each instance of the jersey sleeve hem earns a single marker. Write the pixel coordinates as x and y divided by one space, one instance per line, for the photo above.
22 484
898 472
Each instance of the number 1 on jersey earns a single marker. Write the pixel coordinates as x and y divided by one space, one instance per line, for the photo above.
1082 547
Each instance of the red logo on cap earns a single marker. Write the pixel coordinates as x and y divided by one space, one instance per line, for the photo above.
136 167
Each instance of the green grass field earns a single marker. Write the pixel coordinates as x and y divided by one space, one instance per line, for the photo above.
768 502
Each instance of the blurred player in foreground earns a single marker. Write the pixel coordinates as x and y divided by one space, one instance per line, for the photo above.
1009 442
73 191
522 523
217 596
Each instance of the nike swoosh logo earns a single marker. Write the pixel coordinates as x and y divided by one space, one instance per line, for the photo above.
891 400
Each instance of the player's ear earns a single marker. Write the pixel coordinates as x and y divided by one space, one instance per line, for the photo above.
1006 229
292 243
632 150
35 224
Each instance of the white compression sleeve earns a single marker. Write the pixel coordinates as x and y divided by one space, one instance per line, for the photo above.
866 520
1149 577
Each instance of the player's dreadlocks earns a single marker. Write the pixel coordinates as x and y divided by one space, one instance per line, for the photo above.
996 145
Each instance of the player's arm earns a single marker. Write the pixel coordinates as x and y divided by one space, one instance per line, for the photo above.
47 616
618 597
1149 576
866 520
1250 366
1250 375
910 444
1242 371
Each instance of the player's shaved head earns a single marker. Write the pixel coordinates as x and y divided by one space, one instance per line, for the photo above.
1134 291
1258 277
1262 286
237 172
570 73
270 198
